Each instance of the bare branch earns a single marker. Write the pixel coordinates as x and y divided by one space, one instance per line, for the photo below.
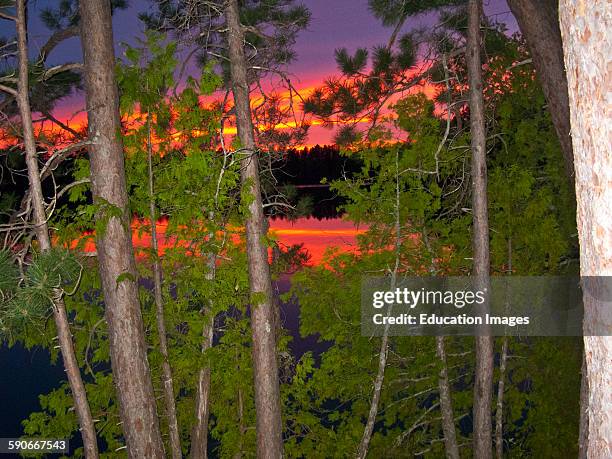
61 68
55 40
9 90
7 16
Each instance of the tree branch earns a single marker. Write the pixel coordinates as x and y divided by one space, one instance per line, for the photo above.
55 40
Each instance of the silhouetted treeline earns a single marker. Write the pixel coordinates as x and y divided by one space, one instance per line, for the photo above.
298 175
310 165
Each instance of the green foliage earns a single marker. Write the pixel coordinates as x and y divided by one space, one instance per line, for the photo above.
530 205
413 174
105 212
57 417
53 269
25 300
271 30
350 65
9 284
329 398
390 12
362 93
195 192
147 74
329 401
10 274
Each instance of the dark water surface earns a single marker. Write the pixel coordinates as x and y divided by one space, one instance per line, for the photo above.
24 375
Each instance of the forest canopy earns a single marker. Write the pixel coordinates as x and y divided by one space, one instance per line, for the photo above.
158 243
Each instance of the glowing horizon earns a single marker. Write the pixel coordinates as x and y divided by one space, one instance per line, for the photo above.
317 236
72 113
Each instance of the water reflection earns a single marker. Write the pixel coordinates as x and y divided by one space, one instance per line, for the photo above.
317 235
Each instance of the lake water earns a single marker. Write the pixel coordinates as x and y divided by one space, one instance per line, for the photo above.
27 373
317 235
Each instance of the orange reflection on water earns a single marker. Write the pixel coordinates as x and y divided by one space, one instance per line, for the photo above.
316 236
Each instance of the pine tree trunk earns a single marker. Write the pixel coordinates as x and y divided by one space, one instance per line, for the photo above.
199 433
539 24
168 385
41 229
128 349
265 366
586 29
483 386
446 404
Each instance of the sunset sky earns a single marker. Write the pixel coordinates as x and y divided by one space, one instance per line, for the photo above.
334 24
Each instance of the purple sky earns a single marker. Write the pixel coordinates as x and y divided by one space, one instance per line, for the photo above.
334 24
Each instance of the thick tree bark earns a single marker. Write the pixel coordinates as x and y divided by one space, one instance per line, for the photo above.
117 267
446 404
199 433
539 24
265 366
41 229
168 385
586 29
483 386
